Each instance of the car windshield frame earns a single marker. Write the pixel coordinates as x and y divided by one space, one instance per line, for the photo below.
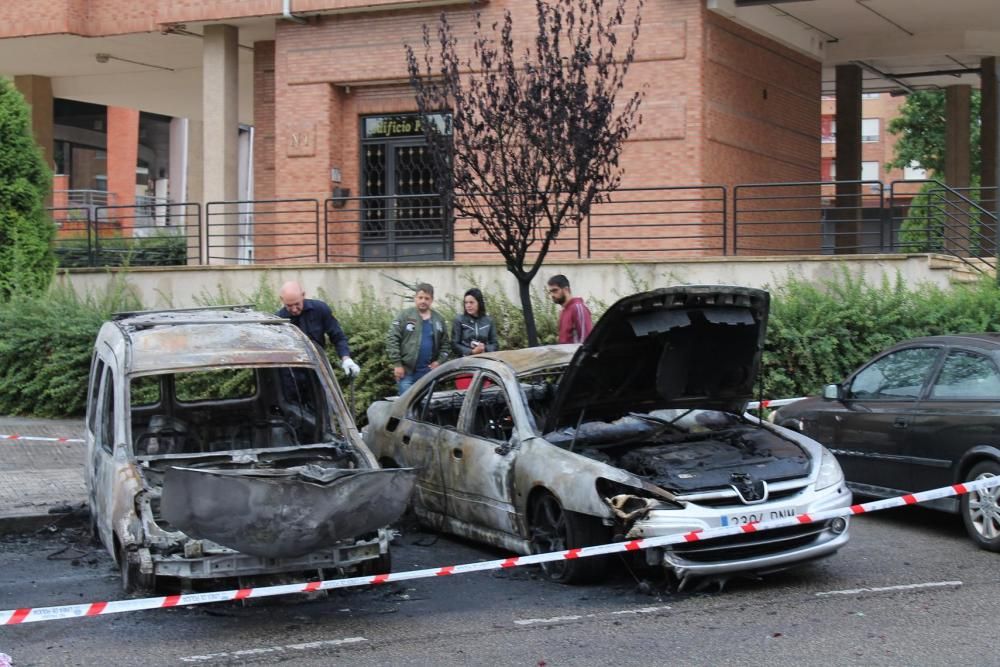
328 417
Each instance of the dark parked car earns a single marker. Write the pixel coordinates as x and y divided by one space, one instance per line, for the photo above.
923 414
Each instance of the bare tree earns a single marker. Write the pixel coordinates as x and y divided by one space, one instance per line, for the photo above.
534 141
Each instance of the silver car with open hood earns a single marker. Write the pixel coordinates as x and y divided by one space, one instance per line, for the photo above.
219 445
641 431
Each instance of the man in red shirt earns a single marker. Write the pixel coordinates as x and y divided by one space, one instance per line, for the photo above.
574 320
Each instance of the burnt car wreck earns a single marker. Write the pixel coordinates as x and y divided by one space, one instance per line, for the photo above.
219 445
639 432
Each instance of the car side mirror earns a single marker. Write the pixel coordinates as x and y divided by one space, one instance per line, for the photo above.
833 392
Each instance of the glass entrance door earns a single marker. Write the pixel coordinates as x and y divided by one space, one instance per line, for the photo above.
402 217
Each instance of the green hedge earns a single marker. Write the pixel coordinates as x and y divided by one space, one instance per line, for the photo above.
817 333
45 349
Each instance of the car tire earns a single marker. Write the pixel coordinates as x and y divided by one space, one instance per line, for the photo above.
554 529
380 565
133 580
981 509
93 533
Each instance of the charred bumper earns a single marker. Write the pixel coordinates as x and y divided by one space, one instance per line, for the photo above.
288 513
217 561
757 552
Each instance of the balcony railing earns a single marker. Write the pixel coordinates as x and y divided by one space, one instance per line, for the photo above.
631 223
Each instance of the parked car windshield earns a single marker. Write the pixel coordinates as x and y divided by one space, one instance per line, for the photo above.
225 409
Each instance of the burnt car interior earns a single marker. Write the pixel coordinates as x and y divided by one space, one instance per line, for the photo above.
228 409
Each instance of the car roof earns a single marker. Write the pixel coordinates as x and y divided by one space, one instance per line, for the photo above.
533 358
204 337
981 340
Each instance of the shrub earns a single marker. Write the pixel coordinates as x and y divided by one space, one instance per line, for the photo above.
818 333
26 260
46 346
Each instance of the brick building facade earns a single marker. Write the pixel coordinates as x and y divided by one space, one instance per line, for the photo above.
725 104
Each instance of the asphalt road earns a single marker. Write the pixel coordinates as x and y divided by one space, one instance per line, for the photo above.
937 606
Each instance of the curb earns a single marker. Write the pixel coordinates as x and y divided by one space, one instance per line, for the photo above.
34 522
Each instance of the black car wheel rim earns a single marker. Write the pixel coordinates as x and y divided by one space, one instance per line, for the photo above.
548 531
984 510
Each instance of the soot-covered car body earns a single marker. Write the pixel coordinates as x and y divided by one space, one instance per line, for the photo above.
641 431
219 445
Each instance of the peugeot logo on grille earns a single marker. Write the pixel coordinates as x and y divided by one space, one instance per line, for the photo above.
750 490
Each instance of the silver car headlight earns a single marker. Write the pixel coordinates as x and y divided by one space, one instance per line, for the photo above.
829 471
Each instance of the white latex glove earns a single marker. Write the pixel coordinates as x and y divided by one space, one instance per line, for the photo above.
351 369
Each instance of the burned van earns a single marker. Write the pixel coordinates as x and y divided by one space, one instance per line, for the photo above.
219 445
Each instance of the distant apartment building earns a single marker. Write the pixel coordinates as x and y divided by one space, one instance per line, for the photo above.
877 142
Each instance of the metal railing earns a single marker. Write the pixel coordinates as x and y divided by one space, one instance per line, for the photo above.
270 231
817 217
93 236
808 218
653 222
952 221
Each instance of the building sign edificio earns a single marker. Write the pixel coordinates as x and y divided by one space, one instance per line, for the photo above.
404 125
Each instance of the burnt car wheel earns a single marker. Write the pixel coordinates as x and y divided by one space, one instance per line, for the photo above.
554 529
133 580
380 565
981 509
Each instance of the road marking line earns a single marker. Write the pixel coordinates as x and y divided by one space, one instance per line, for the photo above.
901 587
563 619
306 646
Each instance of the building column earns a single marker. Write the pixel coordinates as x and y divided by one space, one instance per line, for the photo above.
220 112
123 157
957 164
848 215
957 153
37 92
989 144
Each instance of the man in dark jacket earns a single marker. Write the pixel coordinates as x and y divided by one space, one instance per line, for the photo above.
316 320
417 340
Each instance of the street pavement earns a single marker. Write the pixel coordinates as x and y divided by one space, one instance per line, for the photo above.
40 482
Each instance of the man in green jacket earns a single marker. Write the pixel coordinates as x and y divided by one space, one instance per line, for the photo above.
418 340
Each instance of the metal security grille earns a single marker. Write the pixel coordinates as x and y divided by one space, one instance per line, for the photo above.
402 216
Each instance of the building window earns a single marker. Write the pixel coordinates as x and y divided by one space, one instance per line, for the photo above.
827 169
870 130
914 172
828 129
869 171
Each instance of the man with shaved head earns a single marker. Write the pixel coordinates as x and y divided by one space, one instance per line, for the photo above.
317 321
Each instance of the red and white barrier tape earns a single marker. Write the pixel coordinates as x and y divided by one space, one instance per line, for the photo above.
36 614
17 436
773 403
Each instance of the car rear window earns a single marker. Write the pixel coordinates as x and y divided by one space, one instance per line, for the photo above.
215 385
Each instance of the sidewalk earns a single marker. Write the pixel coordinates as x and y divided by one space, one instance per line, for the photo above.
38 476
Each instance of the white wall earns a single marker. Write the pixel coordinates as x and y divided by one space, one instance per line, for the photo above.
179 287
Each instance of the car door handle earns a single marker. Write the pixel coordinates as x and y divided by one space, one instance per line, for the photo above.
899 422
406 439
457 452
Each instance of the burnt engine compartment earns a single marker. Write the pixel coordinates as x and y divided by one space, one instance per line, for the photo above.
687 451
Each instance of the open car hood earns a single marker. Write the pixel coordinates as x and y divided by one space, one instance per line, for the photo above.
283 513
690 346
